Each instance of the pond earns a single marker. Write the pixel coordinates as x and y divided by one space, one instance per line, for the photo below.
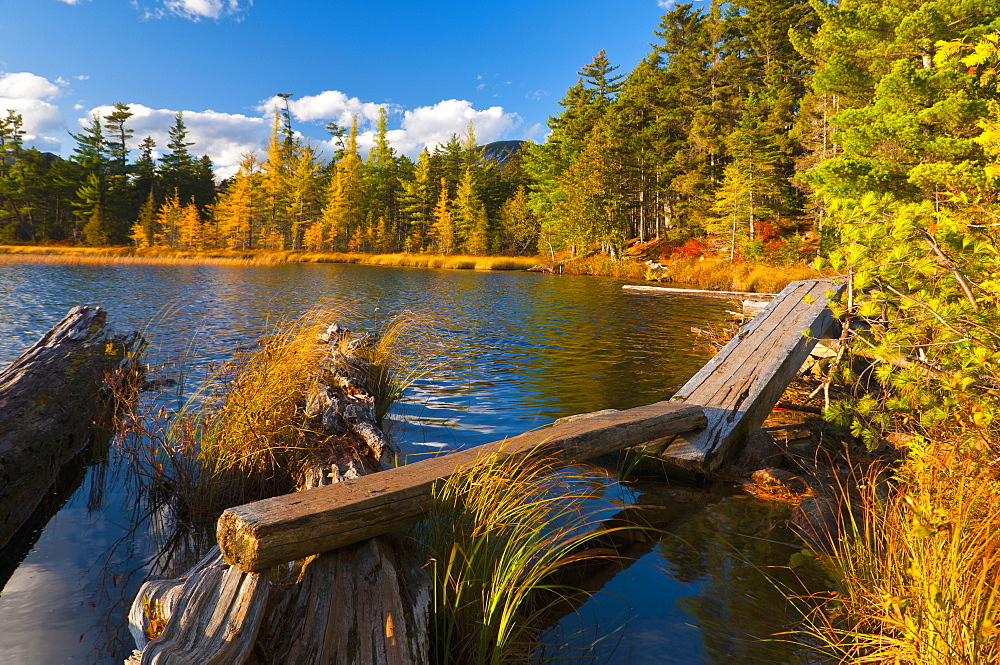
520 350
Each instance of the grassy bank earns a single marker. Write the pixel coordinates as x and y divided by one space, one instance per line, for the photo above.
166 256
703 273
700 272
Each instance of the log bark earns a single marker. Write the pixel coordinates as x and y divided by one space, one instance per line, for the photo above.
270 532
52 401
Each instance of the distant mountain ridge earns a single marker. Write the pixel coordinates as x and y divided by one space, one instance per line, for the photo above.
501 151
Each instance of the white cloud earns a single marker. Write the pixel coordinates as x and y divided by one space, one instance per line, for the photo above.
327 105
666 4
40 118
25 85
195 10
224 137
423 126
26 93
430 126
71 2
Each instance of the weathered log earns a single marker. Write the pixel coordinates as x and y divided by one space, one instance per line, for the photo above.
266 533
214 615
740 385
367 604
50 399
700 293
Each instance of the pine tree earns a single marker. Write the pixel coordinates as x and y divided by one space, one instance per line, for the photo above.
177 165
906 123
145 229
751 186
416 202
592 210
469 214
381 175
91 155
303 193
169 221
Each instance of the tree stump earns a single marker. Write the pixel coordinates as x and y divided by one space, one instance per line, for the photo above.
52 401
366 604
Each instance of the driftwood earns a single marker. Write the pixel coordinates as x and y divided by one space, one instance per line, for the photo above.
367 604
215 612
700 293
52 401
740 385
266 533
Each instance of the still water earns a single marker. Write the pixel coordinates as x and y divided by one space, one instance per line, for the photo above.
521 350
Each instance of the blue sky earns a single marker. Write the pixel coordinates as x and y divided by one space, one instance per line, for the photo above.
434 65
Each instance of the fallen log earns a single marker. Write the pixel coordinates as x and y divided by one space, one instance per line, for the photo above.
700 293
741 384
270 532
52 401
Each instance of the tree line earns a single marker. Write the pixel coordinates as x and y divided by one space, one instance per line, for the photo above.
747 119
741 125
448 200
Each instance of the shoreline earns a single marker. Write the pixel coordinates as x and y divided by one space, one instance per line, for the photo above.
702 272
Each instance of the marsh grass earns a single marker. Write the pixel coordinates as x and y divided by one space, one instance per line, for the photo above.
166 256
244 434
499 536
918 575
746 276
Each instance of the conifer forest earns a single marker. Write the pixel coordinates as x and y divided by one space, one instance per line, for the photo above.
740 130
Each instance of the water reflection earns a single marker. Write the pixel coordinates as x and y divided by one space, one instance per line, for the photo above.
521 350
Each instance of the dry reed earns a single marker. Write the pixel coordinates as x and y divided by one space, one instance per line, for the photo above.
500 534
918 573
165 256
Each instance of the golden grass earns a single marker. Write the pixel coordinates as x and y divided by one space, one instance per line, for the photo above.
244 435
165 256
918 577
499 535
716 274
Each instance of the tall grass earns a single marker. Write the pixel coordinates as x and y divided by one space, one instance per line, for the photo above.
740 276
500 534
245 435
167 256
918 577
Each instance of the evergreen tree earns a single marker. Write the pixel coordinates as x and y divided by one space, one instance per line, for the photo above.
905 125
92 157
382 176
417 202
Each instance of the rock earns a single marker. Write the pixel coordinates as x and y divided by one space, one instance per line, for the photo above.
817 522
780 480
761 451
